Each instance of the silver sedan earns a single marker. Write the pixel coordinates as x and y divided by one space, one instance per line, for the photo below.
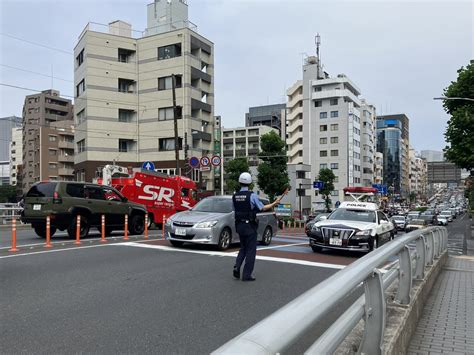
212 222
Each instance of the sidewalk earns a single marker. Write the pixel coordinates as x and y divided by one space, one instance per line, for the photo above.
447 323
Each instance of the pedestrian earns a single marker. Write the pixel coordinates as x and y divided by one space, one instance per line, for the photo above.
246 206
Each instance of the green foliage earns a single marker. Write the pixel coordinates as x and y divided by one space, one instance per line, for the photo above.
460 131
7 193
327 176
421 209
233 169
272 173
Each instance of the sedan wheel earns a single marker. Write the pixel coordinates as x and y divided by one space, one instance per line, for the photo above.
267 236
224 239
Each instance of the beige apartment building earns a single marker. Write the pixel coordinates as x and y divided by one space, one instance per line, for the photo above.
124 98
48 139
294 129
16 155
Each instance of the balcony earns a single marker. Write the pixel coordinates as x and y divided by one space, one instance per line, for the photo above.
327 94
65 158
65 145
65 171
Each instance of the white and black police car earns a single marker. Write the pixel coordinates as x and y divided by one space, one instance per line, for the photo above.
355 225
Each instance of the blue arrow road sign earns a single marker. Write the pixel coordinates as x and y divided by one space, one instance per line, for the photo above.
148 165
381 188
318 184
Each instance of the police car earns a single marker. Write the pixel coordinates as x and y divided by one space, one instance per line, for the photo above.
356 225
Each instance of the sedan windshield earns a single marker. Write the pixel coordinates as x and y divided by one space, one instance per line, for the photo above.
399 218
353 215
215 205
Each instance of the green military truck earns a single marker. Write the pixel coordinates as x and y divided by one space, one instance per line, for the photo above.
63 201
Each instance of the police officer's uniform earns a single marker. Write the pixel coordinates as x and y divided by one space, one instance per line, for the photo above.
246 206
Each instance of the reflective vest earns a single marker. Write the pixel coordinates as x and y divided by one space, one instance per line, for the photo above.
243 208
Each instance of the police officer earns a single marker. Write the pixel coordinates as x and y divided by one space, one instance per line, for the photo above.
246 206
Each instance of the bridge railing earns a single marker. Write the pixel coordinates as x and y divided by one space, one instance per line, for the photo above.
8 213
276 333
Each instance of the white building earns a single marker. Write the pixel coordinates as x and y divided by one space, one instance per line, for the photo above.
16 154
368 143
294 123
124 102
418 174
378 166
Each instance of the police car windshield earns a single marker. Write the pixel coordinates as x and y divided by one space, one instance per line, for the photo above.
353 215
214 205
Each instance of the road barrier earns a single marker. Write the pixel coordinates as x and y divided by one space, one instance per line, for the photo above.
163 227
125 231
13 248
78 230
102 229
280 330
146 227
48 233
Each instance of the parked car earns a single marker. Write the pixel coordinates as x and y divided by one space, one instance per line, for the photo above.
415 224
211 221
399 222
63 201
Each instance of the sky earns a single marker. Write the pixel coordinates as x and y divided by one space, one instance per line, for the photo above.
400 54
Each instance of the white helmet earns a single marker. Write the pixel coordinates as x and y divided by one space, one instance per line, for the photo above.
245 178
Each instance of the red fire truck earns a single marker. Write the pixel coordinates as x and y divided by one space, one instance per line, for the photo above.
162 195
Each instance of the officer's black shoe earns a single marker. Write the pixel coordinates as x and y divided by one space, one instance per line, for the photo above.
237 273
251 278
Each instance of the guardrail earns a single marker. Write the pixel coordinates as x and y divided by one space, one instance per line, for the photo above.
276 333
7 214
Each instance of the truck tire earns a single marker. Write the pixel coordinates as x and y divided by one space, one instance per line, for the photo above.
137 224
40 230
84 231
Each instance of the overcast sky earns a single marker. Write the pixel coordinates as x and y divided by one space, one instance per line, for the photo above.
400 54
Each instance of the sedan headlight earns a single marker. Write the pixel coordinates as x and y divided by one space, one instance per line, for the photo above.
364 232
168 222
316 229
205 224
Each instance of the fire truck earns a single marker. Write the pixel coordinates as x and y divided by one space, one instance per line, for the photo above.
163 195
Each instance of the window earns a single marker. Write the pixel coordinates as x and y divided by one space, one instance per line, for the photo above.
53 166
125 55
165 144
357 131
81 116
334 140
334 166
334 153
318 88
335 193
356 155
80 88
166 82
301 175
356 143
125 145
170 51
323 166
318 103
323 140
52 152
323 128
184 192
94 193
357 167
126 85
334 114
323 115
52 138
81 146
125 115
166 113
323 153
334 127
334 102
80 58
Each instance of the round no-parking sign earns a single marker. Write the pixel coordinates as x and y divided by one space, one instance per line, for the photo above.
194 162
205 161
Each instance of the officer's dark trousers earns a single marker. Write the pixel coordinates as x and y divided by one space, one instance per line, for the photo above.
248 247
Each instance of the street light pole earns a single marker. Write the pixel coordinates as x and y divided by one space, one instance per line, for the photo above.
453 98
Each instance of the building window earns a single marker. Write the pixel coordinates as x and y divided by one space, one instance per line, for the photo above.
125 55
334 127
323 115
318 103
323 140
166 113
323 153
356 143
81 87
334 114
81 116
356 155
126 85
53 166
81 146
80 59
334 166
301 175
170 51
165 144
323 166
124 145
334 153
334 102
357 131
125 115
334 140
323 128
335 193
357 167
52 152
166 82
52 138
318 88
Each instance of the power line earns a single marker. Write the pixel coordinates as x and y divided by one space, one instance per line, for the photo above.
34 72
35 43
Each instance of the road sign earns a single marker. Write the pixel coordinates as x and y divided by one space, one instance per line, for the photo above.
205 168
216 160
318 184
337 204
381 188
283 209
205 161
194 162
148 165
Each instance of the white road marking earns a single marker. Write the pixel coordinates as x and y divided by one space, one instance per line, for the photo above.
219 253
283 246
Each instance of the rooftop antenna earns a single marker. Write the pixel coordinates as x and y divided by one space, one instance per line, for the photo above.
317 41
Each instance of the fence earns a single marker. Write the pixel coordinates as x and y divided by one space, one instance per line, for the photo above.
8 213
280 330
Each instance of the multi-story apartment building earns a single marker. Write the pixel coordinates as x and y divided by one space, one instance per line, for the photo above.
368 143
48 136
244 142
124 99
418 174
16 155
268 115
4 173
378 176
6 126
393 143
294 123
432 155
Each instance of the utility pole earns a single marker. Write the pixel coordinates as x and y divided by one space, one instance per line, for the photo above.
175 119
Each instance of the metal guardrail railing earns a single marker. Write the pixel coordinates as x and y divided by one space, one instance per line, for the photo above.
7 214
276 333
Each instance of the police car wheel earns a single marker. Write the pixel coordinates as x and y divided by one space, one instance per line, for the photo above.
224 239
267 236
374 243
176 243
316 249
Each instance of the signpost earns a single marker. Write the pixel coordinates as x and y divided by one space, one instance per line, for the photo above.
205 164
148 165
318 184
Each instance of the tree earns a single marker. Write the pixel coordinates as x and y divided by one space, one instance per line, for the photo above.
272 173
460 131
327 177
233 169
7 193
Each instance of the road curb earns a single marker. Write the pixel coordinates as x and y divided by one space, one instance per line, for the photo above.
18 226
